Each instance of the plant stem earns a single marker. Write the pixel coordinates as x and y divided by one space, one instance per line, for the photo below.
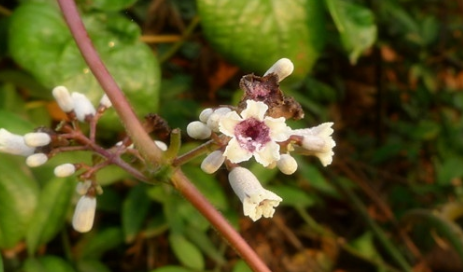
132 125
190 192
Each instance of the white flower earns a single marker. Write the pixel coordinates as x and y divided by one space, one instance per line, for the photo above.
82 106
105 102
14 144
36 159
161 145
317 141
64 170
282 68
215 117
257 201
84 214
36 139
63 98
287 164
253 134
198 130
213 162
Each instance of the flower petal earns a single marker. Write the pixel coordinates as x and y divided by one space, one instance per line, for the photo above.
228 122
268 154
279 131
235 153
254 109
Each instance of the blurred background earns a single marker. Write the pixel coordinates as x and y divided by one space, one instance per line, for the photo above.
388 73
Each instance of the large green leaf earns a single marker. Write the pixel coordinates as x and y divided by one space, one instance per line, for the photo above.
41 43
355 24
254 34
134 211
18 199
47 263
186 252
50 213
103 241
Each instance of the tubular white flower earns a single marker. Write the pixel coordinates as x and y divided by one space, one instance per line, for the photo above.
205 114
82 106
36 159
14 144
282 68
105 102
63 98
198 130
257 201
253 134
161 145
318 142
215 117
84 214
213 162
36 139
287 164
64 170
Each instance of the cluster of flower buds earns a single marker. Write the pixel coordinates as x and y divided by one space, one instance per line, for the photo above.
44 143
257 128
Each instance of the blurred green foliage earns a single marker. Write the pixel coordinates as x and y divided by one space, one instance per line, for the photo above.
388 73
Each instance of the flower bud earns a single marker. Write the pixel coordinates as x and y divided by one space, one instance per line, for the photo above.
65 170
82 106
36 139
282 68
105 102
257 201
84 214
82 187
205 114
198 130
36 160
213 162
161 145
214 119
14 144
63 98
287 164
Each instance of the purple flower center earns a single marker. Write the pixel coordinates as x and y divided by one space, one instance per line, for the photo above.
252 134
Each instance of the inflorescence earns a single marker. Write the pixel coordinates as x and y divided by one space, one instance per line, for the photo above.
255 128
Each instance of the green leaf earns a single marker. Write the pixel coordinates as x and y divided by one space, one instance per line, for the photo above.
18 199
91 266
40 42
111 5
449 170
186 252
171 268
315 179
14 123
134 211
46 264
203 242
50 214
101 242
241 266
356 26
254 34
293 196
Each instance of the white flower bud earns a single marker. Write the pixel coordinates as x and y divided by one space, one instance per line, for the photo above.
214 118
84 214
36 160
282 68
205 114
287 164
82 106
198 130
36 139
105 102
257 201
14 144
82 187
64 170
63 98
213 162
161 145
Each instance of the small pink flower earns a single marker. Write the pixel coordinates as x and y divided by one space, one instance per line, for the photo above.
253 134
